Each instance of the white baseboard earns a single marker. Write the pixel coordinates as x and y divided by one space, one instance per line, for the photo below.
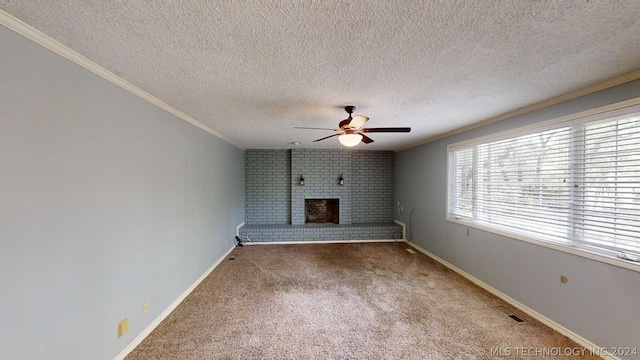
238 228
536 315
404 228
321 242
135 342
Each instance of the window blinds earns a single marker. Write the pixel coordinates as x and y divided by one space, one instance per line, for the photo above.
576 183
607 184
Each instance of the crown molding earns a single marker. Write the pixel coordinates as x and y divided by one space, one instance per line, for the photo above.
20 27
618 80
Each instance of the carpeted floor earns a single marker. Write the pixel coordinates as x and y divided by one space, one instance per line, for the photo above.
344 301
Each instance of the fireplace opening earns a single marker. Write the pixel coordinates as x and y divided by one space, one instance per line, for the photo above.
321 211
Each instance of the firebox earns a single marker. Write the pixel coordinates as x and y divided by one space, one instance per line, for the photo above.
321 211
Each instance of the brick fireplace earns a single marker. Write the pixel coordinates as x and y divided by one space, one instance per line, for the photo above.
321 170
276 203
274 195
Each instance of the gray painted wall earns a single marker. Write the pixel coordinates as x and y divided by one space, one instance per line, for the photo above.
106 202
600 301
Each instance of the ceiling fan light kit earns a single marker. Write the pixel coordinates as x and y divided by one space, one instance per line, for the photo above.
350 140
350 131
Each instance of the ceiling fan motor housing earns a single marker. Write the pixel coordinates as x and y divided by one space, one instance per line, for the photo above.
344 124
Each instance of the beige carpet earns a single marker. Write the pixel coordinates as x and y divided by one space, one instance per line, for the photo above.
344 301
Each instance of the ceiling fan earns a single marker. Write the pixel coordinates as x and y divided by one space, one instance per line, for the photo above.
350 131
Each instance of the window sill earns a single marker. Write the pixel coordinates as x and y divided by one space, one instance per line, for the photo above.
611 260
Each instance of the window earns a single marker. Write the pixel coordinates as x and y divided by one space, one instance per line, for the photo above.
573 183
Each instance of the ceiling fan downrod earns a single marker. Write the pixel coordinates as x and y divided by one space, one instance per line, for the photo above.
344 124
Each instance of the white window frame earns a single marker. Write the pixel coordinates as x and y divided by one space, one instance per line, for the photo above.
600 113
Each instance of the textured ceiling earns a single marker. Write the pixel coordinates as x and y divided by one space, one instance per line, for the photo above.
252 70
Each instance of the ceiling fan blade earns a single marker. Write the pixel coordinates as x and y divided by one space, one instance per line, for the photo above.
326 137
358 121
366 139
314 128
386 129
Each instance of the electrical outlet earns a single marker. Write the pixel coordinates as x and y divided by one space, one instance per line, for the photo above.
123 327
145 307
